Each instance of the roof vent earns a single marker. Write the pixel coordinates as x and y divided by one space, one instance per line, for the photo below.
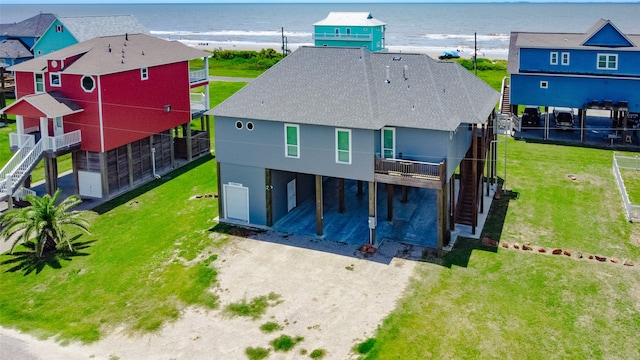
397 58
404 72
388 81
126 36
142 52
109 48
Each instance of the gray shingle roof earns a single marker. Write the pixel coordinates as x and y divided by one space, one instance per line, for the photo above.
140 51
520 40
88 27
32 27
348 87
14 49
52 104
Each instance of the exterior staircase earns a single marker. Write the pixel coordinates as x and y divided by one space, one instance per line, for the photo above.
505 103
468 199
25 159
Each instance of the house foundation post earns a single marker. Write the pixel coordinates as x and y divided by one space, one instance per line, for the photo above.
189 141
130 164
360 188
319 210
441 219
474 173
51 171
341 207
269 196
372 212
220 205
389 202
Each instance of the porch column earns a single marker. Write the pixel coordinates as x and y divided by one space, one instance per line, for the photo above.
441 219
187 129
474 172
405 194
483 153
173 151
452 203
268 196
341 206
372 212
546 123
319 210
220 205
51 174
130 165
389 202
19 129
44 131
359 188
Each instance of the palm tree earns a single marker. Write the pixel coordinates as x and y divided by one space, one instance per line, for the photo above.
44 222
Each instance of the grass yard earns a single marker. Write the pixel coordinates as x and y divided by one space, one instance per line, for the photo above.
512 304
151 257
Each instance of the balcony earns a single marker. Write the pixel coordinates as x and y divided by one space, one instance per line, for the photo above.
197 75
342 37
55 143
410 173
198 103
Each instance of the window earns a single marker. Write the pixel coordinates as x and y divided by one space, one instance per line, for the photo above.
292 140
553 58
55 79
607 61
565 58
348 30
337 32
59 28
144 73
239 125
87 83
544 84
388 143
39 82
250 126
343 146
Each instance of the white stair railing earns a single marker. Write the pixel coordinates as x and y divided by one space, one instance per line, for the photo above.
11 178
61 141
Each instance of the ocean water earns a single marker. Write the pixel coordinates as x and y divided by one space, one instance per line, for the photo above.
410 27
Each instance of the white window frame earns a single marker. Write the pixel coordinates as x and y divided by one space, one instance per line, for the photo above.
35 82
544 84
144 73
336 32
565 56
393 149
51 75
93 81
607 61
553 58
338 151
296 145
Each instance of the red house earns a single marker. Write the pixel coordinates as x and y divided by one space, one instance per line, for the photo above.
122 105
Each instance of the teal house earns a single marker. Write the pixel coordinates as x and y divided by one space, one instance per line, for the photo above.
67 31
350 29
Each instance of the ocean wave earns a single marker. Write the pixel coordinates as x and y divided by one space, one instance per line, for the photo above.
257 33
467 37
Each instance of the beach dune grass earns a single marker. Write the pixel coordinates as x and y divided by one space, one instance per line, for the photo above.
133 276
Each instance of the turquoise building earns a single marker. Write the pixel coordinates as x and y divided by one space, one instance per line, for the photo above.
350 29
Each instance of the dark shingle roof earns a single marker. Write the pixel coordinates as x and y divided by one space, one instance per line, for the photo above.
348 87
140 50
32 27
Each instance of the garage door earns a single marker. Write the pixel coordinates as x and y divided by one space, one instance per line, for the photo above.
236 202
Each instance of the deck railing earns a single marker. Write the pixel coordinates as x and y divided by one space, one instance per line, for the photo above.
198 102
630 163
342 36
410 168
196 75
61 141
16 141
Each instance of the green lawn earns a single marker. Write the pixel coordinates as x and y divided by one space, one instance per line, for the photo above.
522 305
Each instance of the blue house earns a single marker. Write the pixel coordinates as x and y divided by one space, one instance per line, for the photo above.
17 39
297 147
350 29
597 69
67 31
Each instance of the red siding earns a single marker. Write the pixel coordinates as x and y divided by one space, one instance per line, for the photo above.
134 108
25 84
87 121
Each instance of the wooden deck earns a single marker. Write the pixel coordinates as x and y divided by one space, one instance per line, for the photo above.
410 173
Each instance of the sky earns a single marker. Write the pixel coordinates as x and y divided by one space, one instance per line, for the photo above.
282 1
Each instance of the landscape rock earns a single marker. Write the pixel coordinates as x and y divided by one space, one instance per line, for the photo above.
505 244
526 247
628 262
579 255
601 258
590 257
568 253
516 246
488 241
556 251
614 260
542 250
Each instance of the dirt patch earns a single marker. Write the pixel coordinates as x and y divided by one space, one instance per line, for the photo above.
331 296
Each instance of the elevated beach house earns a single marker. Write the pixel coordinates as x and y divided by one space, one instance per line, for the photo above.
596 69
350 29
121 105
66 31
356 146
17 39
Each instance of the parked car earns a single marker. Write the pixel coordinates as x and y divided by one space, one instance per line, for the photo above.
563 117
531 116
449 54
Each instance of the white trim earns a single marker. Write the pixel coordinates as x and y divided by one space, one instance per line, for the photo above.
144 73
562 58
579 76
348 131
82 83
607 61
393 149
553 61
544 84
51 83
100 115
35 83
286 144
